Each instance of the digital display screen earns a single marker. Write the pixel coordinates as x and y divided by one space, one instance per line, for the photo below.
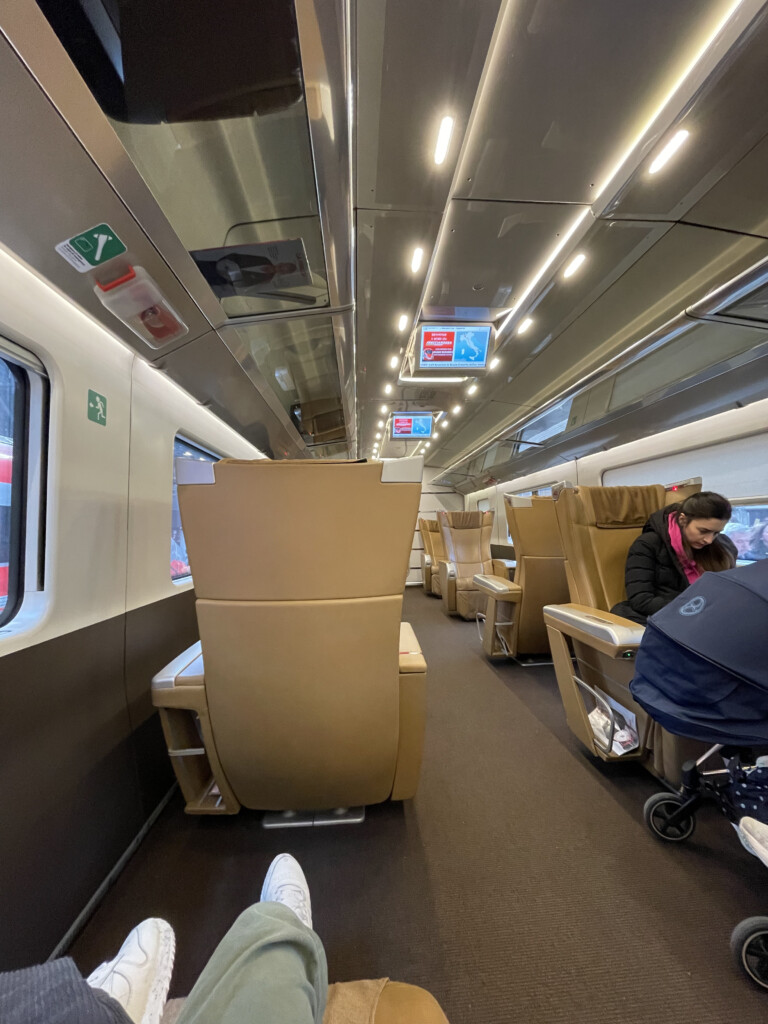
459 347
411 424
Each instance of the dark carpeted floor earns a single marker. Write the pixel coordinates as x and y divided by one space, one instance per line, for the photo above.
519 886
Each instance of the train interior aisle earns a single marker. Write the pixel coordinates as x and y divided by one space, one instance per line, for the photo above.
306 305
520 884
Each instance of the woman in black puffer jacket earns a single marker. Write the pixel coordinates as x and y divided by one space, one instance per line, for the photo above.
677 545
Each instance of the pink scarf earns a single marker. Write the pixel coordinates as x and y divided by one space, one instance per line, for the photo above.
689 567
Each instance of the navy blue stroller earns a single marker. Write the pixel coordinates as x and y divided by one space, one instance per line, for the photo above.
702 672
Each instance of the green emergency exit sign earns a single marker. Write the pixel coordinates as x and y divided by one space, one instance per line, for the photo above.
97 408
91 248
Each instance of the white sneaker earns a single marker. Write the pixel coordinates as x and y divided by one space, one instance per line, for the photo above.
285 883
140 975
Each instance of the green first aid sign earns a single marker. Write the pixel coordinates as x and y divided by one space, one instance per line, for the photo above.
97 408
91 248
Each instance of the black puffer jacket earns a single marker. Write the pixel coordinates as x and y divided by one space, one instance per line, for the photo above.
654 577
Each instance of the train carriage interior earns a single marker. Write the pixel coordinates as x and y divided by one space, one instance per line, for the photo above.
346 349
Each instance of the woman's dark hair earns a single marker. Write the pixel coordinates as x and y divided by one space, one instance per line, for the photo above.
709 505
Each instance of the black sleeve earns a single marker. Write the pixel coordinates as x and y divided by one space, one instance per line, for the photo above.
643 593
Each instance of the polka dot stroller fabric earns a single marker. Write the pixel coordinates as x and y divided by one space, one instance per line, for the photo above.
702 666
747 795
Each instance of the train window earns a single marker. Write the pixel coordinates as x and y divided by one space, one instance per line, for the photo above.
484 505
748 529
23 409
182 449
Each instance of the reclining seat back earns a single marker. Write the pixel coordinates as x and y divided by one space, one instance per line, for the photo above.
597 527
467 539
430 532
438 555
301 649
540 570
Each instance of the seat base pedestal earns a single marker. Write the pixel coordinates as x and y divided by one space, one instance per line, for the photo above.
295 819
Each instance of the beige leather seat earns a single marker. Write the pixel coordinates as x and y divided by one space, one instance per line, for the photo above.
514 616
363 1002
467 539
597 526
433 554
306 692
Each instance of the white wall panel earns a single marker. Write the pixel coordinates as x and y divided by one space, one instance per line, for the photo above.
87 508
161 410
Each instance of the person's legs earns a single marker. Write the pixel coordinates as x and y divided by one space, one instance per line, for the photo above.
270 966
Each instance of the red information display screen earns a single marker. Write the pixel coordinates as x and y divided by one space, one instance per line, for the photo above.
457 347
411 424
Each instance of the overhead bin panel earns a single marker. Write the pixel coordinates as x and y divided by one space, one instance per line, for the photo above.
724 120
439 50
209 102
207 370
297 359
51 191
567 94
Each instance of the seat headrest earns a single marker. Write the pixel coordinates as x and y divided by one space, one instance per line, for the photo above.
620 508
466 520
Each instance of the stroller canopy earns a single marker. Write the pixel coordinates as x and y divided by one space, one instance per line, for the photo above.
702 666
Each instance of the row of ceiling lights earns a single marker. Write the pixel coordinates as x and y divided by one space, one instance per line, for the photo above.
574 264
442 145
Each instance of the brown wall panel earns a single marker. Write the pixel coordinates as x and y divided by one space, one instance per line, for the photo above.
70 795
82 766
154 635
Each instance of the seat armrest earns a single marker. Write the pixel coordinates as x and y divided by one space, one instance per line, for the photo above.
186 669
425 559
612 634
496 586
450 568
411 658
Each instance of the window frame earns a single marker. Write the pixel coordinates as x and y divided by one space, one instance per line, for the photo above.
180 438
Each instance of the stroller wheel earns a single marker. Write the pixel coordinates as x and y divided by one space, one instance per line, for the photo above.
657 811
749 945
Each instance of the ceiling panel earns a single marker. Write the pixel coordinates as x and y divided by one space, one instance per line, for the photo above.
489 251
724 120
416 63
569 89
738 201
685 263
611 248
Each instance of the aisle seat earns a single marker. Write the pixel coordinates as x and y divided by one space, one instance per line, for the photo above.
514 617
597 527
467 539
431 556
306 691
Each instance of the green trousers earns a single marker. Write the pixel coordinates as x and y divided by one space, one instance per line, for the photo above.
268 969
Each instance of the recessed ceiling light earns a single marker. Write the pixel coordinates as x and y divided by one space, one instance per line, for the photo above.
524 325
494 363
574 265
378 435
394 361
472 389
456 410
387 389
402 323
418 256
669 150
427 444
380 423
443 139
385 408
444 422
